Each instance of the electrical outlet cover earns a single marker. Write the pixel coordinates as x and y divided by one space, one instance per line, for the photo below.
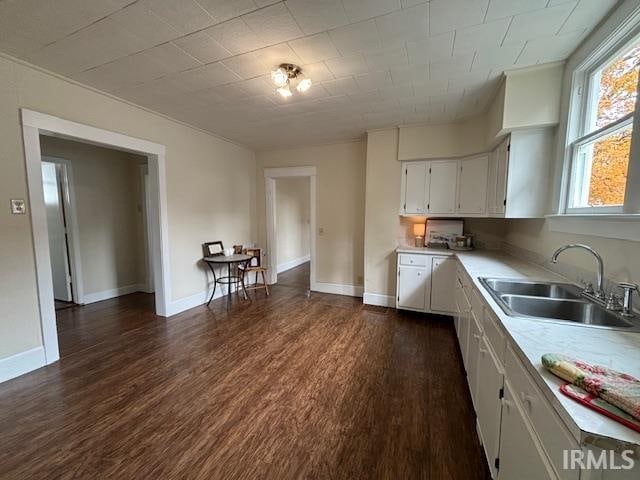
18 206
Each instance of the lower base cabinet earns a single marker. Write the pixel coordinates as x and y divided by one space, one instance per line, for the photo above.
426 283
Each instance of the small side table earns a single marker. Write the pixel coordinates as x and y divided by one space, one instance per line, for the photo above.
231 260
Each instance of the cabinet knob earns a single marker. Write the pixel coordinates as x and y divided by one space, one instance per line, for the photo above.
418 273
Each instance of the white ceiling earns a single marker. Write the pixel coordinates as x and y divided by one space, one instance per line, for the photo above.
374 63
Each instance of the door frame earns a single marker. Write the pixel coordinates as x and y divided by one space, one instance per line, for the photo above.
270 176
71 221
35 124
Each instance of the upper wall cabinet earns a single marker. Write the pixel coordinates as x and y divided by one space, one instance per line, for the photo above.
511 181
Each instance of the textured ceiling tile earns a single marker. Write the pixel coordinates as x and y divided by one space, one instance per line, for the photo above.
550 49
443 69
341 86
374 80
247 65
347 65
437 47
411 24
222 10
201 46
316 16
538 24
447 15
205 77
587 14
361 36
235 36
358 10
184 15
317 72
502 56
488 34
409 75
257 86
314 48
273 24
386 58
277 54
509 8
146 25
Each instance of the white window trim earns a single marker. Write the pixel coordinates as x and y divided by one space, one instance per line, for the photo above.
625 34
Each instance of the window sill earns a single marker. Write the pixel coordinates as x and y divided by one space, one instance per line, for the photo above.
620 226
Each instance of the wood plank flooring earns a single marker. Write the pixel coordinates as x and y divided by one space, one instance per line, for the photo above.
296 277
284 387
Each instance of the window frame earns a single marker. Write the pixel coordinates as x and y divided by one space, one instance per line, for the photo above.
583 102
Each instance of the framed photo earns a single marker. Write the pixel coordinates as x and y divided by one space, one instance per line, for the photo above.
211 249
237 249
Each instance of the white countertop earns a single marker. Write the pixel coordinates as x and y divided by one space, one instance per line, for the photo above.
532 338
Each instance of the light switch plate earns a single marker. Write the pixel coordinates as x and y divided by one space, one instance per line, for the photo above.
18 206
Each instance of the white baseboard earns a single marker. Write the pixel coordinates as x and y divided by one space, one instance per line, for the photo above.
21 363
113 293
283 267
338 289
192 301
380 300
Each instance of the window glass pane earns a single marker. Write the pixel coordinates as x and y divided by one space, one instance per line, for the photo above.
616 87
601 170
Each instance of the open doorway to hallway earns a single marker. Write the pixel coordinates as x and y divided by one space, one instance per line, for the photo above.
293 231
97 221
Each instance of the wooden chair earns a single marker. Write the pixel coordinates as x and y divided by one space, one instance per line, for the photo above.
255 265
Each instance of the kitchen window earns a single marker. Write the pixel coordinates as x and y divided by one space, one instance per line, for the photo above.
601 153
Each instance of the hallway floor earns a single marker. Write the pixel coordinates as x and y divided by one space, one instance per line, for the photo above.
296 277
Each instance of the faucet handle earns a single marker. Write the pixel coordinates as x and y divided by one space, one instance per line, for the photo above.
628 286
588 287
613 302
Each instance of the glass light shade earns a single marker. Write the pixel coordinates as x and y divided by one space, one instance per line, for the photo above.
304 85
419 229
279 77
284 91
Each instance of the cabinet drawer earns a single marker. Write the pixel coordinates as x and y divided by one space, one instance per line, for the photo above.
414 260
490 325
553 434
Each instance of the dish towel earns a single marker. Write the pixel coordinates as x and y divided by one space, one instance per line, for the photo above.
619 389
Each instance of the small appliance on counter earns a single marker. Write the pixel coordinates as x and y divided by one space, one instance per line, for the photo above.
447 234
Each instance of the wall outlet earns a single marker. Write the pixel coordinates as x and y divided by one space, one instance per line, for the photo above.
18 206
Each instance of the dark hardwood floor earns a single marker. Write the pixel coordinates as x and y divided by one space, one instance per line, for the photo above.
297 277
284 387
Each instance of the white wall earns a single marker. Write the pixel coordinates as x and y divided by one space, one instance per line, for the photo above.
292 221
109 213
340 171
210 189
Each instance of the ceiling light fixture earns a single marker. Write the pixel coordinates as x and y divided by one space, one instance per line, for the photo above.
288 75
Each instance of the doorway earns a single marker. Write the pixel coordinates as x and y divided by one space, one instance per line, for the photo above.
35 124
272 175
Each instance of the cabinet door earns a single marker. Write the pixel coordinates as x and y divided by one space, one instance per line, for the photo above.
464 327
502 168
475 337
415 194
443 178
520 453
472 192
489 382
491 182
413 284
443 283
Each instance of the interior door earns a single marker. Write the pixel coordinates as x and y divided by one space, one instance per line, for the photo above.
472 197
57 232
443 179
490 381
520 454
412 287
415 188
443 283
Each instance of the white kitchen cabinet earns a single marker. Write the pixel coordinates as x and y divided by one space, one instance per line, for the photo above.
472 190
473 354
413 284
521 456
443 281
464 327
443 177
416 185
502 167
490 382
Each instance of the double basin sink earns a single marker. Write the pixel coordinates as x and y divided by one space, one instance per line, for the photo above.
552 301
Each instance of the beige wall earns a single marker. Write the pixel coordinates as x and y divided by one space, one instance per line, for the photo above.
210 189
340 170
109 211
292 219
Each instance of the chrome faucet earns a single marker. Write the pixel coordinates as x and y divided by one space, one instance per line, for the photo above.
599 293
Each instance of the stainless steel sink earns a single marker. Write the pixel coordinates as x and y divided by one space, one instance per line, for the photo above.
535 289
578 311
561 302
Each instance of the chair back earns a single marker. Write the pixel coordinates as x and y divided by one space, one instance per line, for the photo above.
212 249
256 257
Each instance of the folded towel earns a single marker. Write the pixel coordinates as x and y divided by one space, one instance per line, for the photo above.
619 389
